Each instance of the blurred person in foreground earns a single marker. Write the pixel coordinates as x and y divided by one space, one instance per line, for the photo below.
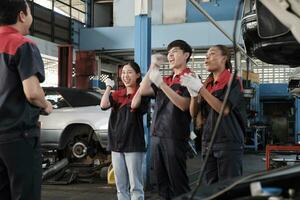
21 101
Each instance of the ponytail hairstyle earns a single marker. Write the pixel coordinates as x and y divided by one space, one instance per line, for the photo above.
225 52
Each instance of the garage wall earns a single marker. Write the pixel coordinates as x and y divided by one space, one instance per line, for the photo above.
103 15
45 47
163 11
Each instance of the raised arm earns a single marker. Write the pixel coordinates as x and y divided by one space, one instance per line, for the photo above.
105 104
136 100
181 102
194 84
145 88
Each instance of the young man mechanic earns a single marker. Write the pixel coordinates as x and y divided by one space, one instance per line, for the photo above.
21 100
170 126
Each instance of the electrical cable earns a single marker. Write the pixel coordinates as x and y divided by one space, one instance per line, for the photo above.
232 76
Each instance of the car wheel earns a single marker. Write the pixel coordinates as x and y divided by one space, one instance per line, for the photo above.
80 145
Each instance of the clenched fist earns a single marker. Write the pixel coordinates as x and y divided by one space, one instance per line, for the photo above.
109 83
158 59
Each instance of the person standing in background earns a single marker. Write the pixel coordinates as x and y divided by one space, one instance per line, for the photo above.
126 132
225 159
171 120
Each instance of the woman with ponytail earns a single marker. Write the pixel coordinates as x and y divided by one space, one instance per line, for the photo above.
126 132
225 159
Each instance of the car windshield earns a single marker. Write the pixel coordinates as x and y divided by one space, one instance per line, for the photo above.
71 97
56 100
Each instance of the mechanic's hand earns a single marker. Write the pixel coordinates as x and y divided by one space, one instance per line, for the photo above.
157 60
48 109
192 92
155 77
191 82
109 83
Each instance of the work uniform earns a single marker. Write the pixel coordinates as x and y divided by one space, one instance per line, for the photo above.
127 143
225 160
20 154
170 130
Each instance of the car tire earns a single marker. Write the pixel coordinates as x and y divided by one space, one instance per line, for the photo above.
79 144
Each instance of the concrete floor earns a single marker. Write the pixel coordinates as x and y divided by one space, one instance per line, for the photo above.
100 190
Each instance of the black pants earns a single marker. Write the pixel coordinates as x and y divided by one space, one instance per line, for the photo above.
198 139
20 169
169 163
223 165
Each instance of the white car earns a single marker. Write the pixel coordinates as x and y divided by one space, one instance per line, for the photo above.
77 127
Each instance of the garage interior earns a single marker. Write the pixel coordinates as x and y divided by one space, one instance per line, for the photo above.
84 41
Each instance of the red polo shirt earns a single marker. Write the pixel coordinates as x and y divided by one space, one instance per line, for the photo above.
19 60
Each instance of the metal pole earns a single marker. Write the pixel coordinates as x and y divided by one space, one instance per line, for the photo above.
200 9
142 52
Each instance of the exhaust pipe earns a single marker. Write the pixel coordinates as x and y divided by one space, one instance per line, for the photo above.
55 168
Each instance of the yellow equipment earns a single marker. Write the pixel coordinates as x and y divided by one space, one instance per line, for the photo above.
111 175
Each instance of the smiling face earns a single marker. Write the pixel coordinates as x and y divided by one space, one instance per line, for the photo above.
177 58
129 76
215 60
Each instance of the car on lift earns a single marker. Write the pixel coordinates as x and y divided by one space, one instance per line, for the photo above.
77 127
266 38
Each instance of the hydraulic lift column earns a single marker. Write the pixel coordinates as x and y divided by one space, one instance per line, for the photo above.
142 52
85 68
65 66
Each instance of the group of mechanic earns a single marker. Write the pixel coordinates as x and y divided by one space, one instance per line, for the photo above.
179 98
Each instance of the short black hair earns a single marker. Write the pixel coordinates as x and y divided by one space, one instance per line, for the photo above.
183 45
10 9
